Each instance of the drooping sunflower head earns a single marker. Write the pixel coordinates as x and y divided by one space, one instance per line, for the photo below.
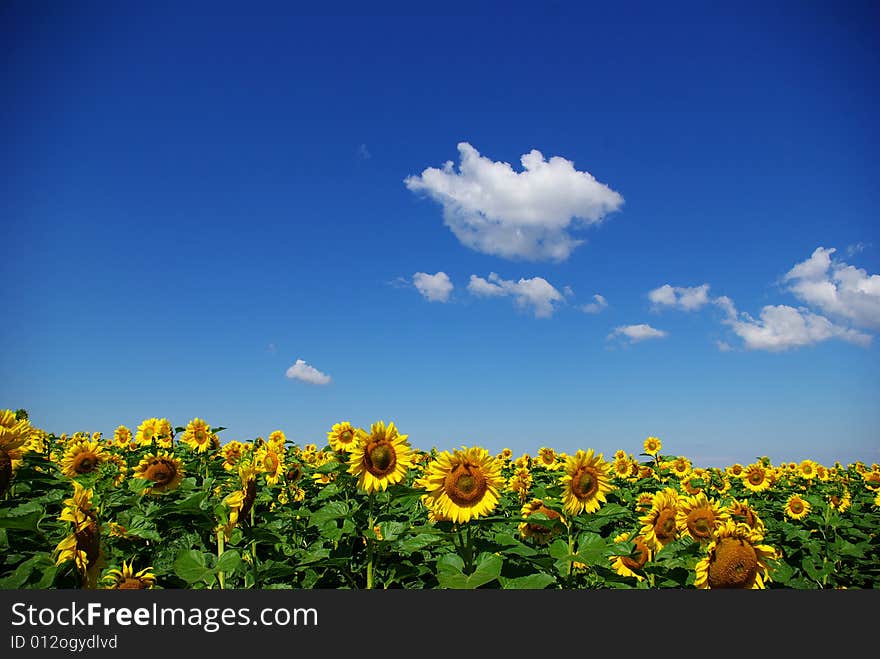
343 437
78 509
626 566
163 469
697 517
756 477
464 484
127 579
381 458
537 532
653 445
658 524
586 481
797 508
82 457
735 559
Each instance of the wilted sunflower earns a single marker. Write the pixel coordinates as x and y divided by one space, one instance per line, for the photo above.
742 513
536 531
198 436
697 517
653 445
381 458
756 477
586 481
343 437
796 508
463 485
240 502
128 579
658 525
735 559
626 566
82 457
163 469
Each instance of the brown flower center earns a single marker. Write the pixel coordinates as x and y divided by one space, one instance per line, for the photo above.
637 560
161 472
664 527
796 506
734 564
88 539
130 583
271 463
294 473
584 483
466 485
756 476
85 462
250 495
537 528
345 437
700 523
380 458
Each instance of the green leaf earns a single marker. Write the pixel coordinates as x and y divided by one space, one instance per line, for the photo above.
450 574
416 542
592 548
535 581
190 566
28 522
229 562
333 510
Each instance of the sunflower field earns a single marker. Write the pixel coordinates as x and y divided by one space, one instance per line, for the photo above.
175 507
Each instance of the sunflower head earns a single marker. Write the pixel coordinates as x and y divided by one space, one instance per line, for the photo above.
658 524
464 484
82 457
538 532
381 458
586 481
735 559
343 437
653 445
163 469
697 517
127 579
628 565
797 508
199 437
756 477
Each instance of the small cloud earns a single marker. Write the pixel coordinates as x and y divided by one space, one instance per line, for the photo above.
303 371
858 248
363 153
636 333
568 291
434 288
596 306
724 346
516 215
680 297
536 293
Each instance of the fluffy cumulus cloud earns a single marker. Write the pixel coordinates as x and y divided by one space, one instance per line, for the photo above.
636 333
781 327
837 289
434 288
680 297
530 214
303 371
535 294
596 305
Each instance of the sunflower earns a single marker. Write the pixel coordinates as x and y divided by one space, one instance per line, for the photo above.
622 468
735 559
626 566
128 579
620 454
82 457
343 437
697 517
163 469
520 482
735 470
278 439
680 467
756 477
536 531
796 508
742 513
381 458
653 445
83 544
199 437
586 481
147 432
463 485
523 461
807 469
658 524
547 458
270 461
14 434
841 503
240 502
231 453
122 436
871 480
506 455
434 515
644 501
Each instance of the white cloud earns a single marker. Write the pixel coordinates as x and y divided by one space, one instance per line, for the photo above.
302 371
858 248
363 152
595 307
680 297
782 327
837 289
724 346
636 333
495 210
536 293
435 288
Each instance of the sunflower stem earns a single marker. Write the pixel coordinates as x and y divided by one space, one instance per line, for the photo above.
369 540
253 551
221 547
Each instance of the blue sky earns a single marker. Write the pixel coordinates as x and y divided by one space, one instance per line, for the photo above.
195 199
